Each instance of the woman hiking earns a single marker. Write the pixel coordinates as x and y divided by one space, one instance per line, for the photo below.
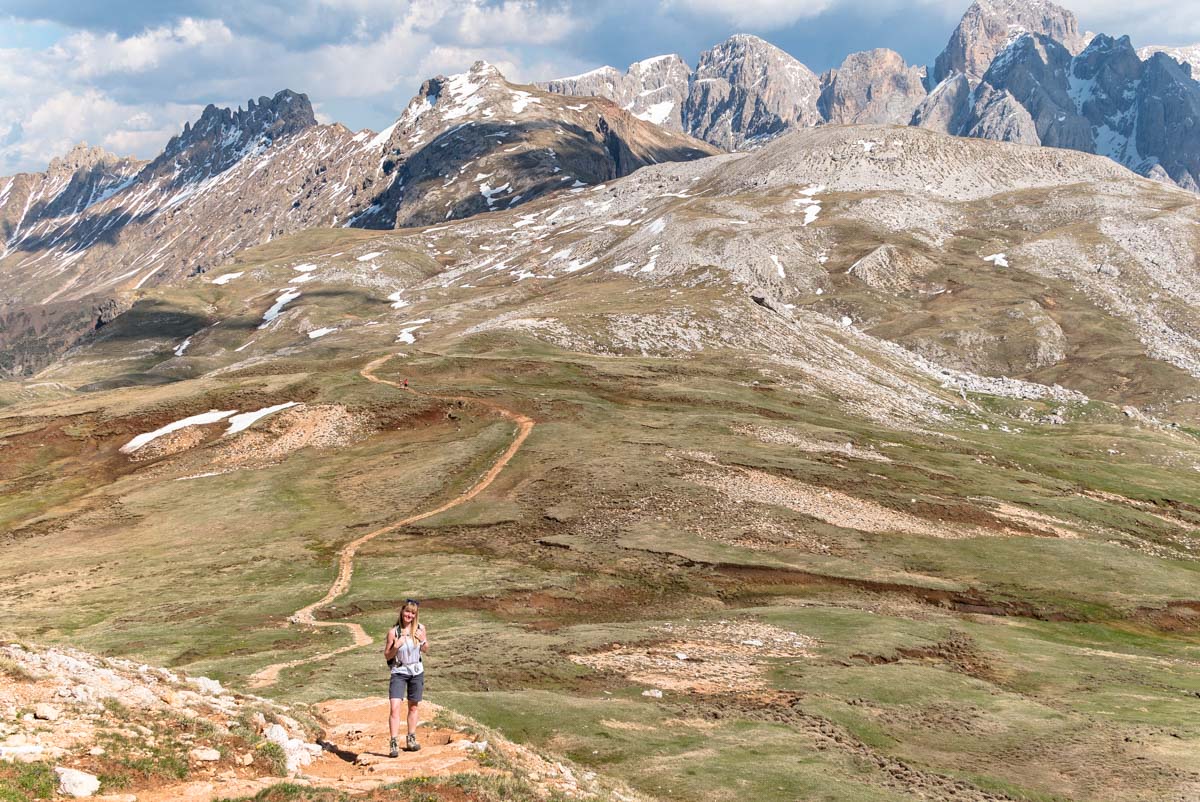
406 642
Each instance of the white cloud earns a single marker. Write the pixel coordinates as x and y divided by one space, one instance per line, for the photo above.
1146 21
51 126
512 22
132 93
92 55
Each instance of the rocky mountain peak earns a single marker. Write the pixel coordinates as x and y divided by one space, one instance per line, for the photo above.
653 89
990 26
473 142
875 86
1188 55
746 90
81 157
222 136
1111 63
744 52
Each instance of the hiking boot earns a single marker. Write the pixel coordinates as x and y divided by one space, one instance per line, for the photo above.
395 748
411 745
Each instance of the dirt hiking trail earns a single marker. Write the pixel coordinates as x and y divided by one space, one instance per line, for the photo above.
304 616
355 760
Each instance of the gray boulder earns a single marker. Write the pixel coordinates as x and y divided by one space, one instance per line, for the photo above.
75 783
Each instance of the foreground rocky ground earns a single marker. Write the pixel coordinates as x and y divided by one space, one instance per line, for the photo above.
76 725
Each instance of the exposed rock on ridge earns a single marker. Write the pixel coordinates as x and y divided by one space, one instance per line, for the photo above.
222 137
71 184
743 90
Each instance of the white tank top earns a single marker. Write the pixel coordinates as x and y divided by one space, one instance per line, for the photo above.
408 658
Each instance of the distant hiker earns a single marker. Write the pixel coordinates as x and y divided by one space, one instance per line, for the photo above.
406 642
406 384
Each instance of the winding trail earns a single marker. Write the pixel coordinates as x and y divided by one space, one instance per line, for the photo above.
270 674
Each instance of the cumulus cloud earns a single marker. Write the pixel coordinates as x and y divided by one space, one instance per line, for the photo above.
131 91
59 120
513 22
90 55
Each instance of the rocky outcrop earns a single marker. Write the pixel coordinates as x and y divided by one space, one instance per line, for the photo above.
1028 75
875 86
222 137
989 26
33 336
80 700
997 115
746 90
947 108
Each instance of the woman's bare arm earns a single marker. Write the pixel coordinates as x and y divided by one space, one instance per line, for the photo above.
424 638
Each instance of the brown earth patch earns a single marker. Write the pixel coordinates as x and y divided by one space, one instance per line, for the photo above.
942 717
959 651
965 601
322 426
175 442
1177 616
836 508
704 658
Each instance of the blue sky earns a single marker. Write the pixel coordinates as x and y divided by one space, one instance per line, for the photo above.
126 74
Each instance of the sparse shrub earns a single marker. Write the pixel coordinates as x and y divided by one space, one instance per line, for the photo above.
133 760
11 668
115 708
273 757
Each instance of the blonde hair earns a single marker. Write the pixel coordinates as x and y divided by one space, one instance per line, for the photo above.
416 622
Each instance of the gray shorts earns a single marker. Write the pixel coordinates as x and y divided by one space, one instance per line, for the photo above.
402 685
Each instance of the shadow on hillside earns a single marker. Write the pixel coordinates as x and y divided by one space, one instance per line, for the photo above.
76 234
147 319
592 156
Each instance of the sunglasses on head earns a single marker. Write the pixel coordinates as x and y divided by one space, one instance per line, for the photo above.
413 602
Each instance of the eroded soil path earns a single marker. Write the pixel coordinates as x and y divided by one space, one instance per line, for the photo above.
304 616
355 759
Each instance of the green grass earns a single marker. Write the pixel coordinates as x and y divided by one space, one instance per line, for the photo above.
478 788
20 782
595 535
